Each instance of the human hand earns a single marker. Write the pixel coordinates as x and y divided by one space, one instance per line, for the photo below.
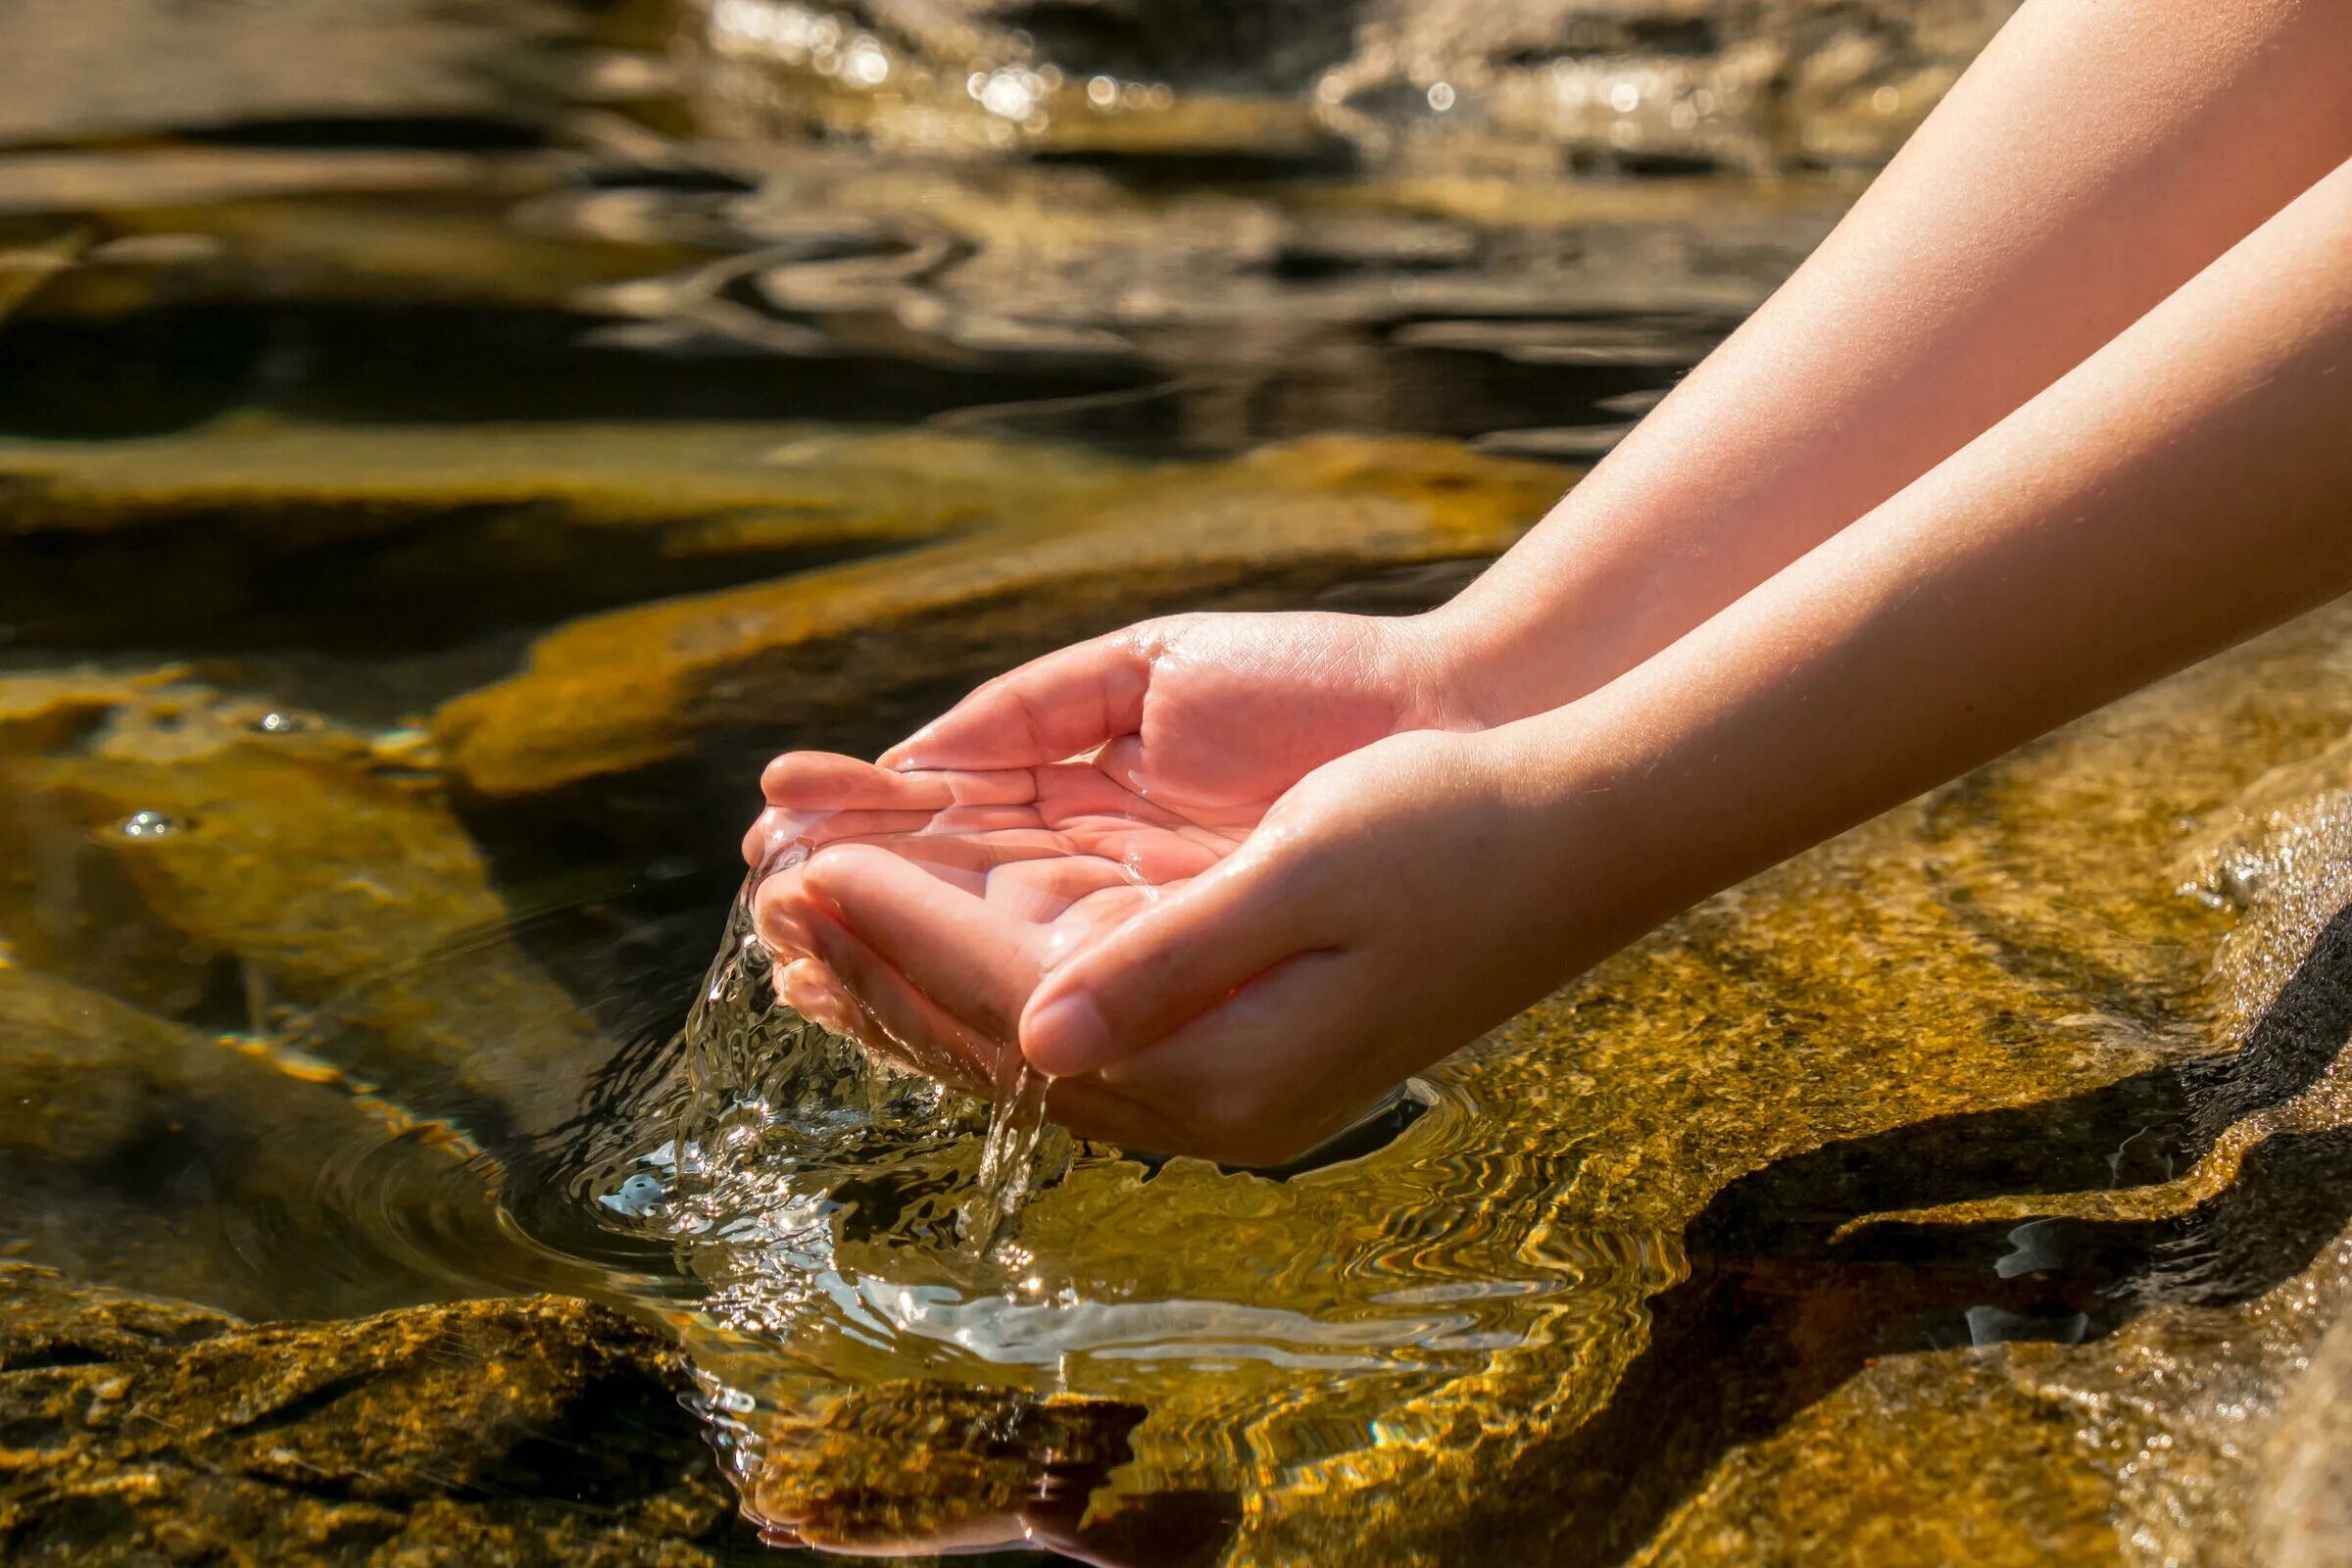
989 877
1211 715
1245 998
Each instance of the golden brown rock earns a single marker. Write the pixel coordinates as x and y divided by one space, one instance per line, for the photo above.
138 1153
238 532
331 891
1997 989
514 1432
638 687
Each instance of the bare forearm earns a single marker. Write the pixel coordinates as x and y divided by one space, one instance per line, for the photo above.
2096 158
2187 486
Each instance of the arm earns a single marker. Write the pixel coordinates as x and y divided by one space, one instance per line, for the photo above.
2093 159
2187 485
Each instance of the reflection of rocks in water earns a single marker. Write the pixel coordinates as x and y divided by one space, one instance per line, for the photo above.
1193 270
996 1470
537 1432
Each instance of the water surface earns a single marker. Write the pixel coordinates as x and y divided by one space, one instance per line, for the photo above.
444 450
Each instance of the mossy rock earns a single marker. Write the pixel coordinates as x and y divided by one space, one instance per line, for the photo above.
532 1431
1821 1104
281 876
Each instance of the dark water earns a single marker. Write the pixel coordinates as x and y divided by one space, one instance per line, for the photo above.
444 449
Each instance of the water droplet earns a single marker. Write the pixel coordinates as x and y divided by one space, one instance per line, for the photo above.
636 1197
1440 96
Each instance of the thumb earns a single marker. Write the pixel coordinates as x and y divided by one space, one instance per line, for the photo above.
1176 960
1053 708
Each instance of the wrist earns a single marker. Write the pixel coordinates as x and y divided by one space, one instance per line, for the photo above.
1471 670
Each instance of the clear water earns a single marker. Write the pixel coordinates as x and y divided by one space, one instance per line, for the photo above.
445 450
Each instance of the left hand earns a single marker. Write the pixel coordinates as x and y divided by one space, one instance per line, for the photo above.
1389 909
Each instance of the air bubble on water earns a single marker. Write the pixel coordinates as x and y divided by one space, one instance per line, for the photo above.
148 825
276 724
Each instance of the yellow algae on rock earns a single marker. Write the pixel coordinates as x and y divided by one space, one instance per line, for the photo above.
780 483
252 533
331 887
637 687
460 1433
1916 1462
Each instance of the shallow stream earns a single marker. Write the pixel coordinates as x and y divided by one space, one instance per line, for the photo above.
445 448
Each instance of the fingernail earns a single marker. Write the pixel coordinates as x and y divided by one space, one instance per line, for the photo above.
1067 1036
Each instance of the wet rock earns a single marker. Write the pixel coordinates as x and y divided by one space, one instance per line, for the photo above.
218 1168
246 534
1918 1462
122 184
2303 1518
1993 991
777 663
308 888
510 1430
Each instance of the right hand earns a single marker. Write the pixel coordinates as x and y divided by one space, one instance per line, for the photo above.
1211 715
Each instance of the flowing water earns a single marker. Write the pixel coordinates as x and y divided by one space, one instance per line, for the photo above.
445 449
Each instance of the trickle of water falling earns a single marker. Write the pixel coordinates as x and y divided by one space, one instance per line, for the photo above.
1009 1160
772 1097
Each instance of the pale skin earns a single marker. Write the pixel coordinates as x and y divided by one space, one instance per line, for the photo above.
2065 404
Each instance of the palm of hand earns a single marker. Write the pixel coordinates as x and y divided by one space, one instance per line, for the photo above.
1210 716
979 882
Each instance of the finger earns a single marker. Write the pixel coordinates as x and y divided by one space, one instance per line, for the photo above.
809 988
1175 958
973 959
913 1030
780 906
1270 1071
824 781
1050 709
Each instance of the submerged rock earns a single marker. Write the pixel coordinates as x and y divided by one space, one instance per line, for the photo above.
515 1431
744 673
219 1168
1744 1154
245 534
290 882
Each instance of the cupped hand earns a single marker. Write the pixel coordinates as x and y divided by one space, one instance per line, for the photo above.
1391 906
1212 715
980 881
